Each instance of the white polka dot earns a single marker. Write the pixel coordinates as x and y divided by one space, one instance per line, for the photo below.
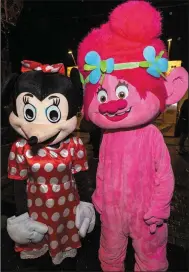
78 167
53 244
45 215
34 215
66 185
71 197
61 200
56 188
19 158
35 167
61 167
64 153
64 239
75 238
13 170
70 224
66 212
50 230
68 248
29 203
53 154
43 188
33 189
21 143
42 153
72 151
55 216
11 156
80 142
86 165
38 202
23 172
29 154
53 180
41 180
80 154
74 210
50 203
75 140
65 179
60 228
48 167
67 141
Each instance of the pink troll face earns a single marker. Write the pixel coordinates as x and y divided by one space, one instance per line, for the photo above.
123 65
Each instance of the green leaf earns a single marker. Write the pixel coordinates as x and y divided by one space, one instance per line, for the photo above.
82 79
87 80
163 76
88 67
103 66
144 64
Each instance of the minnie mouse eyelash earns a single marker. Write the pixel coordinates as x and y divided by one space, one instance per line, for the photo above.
56 101
26 100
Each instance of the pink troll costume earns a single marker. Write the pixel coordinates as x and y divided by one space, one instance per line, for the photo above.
122 65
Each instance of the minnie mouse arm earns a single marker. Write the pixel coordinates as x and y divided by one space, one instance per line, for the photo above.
20 197
18 171
83 187
164 180
79 169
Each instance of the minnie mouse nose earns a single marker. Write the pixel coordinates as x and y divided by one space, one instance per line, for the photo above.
33 140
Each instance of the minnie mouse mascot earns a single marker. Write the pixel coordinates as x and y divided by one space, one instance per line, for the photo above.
46 161
123 65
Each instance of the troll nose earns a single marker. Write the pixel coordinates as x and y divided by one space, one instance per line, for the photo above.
112 106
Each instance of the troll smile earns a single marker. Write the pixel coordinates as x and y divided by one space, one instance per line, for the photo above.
118 116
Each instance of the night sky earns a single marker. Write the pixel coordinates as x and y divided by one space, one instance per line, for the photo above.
46 30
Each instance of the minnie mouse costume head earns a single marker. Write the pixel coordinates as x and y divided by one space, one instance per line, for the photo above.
52 215
45 102
122 65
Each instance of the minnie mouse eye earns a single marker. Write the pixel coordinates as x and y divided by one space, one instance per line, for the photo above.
53 114
29 112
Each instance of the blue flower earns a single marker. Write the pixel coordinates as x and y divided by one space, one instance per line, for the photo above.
157 65
97 66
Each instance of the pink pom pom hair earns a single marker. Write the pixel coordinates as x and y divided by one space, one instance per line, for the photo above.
132 27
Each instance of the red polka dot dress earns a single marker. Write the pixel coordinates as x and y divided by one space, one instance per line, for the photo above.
52 193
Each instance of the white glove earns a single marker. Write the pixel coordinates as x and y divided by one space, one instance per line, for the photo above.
85 218
24 230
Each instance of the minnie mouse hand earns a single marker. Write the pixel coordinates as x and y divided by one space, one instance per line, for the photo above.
153 222
85 218
24 230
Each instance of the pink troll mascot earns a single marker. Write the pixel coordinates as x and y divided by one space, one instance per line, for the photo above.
122 65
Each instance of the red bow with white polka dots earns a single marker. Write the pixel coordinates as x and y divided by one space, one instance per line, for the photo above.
28 65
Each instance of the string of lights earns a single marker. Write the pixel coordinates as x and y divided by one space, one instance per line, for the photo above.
103 15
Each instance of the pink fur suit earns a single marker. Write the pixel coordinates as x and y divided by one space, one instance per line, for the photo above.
122 65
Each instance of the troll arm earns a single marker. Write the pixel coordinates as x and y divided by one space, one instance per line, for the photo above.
164 180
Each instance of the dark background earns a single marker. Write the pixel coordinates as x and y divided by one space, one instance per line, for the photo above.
46 30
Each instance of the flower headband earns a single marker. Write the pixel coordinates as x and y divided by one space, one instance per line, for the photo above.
156 65
28 65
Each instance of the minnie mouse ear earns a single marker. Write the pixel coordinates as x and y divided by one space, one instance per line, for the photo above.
75 78
7 91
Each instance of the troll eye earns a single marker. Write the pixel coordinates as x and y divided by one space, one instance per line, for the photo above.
53 114
29 112
102 96
122 91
